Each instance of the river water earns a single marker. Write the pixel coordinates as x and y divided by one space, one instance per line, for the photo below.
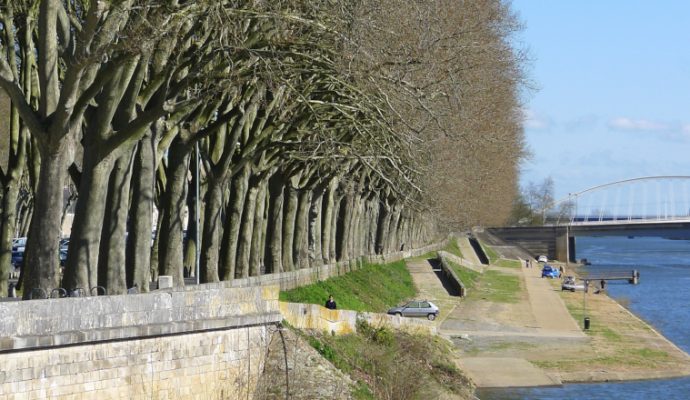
661 298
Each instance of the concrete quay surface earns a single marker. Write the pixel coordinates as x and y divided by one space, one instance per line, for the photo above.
535 341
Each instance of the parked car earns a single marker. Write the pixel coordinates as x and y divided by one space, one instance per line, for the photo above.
17 258
550 272
569 283
543 259
18 244
416 308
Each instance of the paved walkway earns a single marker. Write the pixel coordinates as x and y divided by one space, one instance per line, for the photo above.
539 316
430 288
467 250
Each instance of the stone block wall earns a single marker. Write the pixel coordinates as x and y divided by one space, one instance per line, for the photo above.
222 364
204 344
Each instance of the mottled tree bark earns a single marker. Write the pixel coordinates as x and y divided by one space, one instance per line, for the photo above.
247 229
141 216
82 259
300 245
174 201
258 233
233 223
315 223
290 214
111 262
210 244
274 229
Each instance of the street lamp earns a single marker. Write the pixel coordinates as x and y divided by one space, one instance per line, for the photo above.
198 217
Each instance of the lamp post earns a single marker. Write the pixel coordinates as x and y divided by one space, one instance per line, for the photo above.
198 217
584 305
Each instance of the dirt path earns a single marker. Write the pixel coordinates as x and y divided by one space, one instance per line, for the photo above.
430 287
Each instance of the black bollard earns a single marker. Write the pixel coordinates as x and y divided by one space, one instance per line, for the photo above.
11 291
635 277
586 323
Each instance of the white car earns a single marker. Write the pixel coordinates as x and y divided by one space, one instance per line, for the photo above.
543 259
570 284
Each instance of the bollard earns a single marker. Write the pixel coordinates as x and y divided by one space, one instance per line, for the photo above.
11 291
586 323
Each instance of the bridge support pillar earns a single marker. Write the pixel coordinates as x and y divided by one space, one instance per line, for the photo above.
562 244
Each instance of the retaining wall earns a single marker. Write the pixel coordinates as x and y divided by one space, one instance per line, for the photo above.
179 344
302 277
342 322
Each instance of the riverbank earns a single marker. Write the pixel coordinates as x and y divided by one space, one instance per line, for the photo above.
536 337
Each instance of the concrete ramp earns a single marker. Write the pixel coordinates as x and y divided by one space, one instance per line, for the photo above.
467 250
494 372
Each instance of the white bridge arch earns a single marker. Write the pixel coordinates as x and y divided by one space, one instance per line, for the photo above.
650 199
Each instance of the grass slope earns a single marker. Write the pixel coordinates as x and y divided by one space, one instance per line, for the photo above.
373 288
390 364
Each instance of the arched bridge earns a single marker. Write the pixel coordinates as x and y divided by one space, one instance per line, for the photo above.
649 199
647 206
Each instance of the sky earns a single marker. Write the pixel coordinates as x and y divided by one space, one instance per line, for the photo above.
612 94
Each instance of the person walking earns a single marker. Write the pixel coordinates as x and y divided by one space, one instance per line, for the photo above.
330 303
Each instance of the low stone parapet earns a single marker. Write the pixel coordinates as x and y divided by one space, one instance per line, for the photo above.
342 322
75 320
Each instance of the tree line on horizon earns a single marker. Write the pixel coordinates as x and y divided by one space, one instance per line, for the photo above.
326 130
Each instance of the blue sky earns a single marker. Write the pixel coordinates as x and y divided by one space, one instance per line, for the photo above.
613 90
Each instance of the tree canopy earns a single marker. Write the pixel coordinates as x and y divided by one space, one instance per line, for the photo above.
326 130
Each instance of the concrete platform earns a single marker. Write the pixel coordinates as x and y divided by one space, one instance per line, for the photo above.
493 372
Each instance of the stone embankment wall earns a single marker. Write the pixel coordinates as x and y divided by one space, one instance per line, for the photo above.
450 274
302 277
206 344
202 342
342 322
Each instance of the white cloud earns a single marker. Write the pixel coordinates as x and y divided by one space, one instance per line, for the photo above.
532 120
629 124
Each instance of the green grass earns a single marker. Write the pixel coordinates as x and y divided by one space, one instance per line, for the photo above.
490 253
453 248
373 288
498 287
393 364
505 263
468 277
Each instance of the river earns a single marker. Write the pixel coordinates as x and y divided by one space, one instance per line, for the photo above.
661 298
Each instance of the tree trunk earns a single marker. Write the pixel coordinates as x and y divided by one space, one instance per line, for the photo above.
289 228
190 242
382 231
210 243
82 259
335 229
328 221
315 246
258 233
247 229
233 224
112 272
41 266
301 245
141 216
345 219
174 201
274 230
392 242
